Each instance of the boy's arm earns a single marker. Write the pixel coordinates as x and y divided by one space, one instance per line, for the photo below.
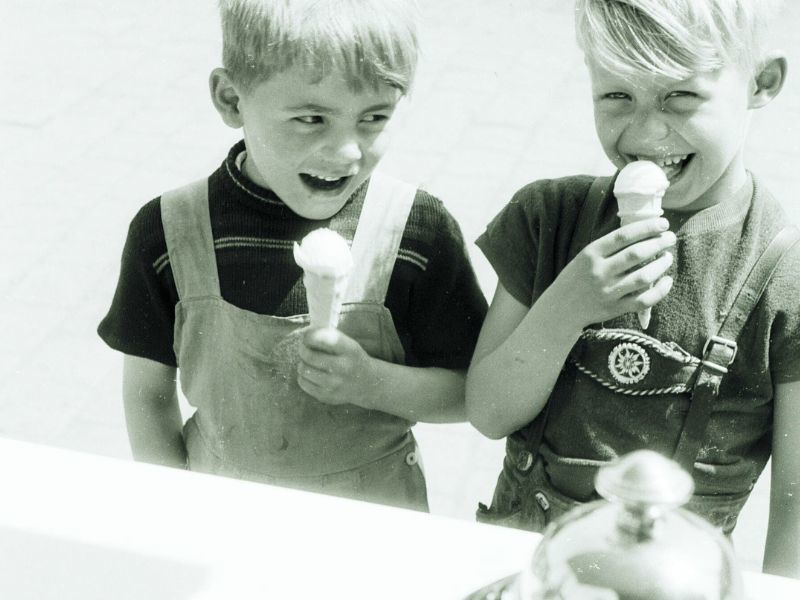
517 360
782 553
521 351
335 369
152 413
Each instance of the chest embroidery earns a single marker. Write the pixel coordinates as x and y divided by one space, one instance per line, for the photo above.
628 363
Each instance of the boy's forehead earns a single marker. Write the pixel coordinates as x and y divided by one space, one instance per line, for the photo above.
302 87
635 76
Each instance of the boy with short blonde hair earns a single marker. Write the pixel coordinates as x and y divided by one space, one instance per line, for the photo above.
209 287
715 381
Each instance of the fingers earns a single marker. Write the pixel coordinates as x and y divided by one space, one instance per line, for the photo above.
640 252
611 243
642 278
310 387
649 297
312 374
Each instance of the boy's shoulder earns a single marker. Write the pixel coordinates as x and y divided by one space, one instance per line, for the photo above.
559 195
767 218
146 233
429 219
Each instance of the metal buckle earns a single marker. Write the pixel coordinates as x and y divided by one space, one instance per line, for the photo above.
715 339
714 367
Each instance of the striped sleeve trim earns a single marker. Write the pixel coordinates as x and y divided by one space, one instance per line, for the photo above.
226 243
415 258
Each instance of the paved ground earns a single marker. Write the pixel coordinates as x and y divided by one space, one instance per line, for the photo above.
105 105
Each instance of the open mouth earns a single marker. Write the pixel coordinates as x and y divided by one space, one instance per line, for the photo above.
324 183
673 165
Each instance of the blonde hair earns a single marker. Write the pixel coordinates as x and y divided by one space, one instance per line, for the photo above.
370 41
674 38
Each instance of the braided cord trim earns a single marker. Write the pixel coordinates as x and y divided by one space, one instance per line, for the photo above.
642 340
678 388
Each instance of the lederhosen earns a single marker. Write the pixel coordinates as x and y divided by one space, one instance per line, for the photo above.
238 368
615 363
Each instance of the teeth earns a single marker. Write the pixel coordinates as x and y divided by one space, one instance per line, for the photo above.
668 160
325 177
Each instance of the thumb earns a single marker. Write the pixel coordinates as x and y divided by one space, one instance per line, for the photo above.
325 339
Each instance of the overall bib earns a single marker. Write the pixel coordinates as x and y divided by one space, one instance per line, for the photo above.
238 368
624 390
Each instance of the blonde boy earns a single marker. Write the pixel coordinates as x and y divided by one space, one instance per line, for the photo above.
715 381
209 289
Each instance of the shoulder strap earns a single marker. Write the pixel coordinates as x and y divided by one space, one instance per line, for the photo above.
589 213
377 238
190 243
587 217
720 349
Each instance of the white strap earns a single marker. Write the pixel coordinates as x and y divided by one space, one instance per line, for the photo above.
377 238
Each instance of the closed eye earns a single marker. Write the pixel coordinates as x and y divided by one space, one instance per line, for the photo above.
681 94
308 119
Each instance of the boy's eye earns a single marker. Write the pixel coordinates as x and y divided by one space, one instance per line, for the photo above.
616 96
682 100
375 118
681 94
309 119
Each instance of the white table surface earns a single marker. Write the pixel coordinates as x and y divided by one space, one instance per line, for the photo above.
79 526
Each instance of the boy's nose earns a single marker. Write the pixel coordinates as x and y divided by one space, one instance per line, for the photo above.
648 127
344 150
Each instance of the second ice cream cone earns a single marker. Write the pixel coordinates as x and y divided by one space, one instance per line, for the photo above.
639 189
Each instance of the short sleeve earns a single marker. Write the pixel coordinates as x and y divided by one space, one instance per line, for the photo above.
527 242
783 300
510 248
447 306
141 318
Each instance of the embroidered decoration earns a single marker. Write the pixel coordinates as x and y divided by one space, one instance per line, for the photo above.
628 363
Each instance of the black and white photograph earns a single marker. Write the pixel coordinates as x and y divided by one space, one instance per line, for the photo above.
383 299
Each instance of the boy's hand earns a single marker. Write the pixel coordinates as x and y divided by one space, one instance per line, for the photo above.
335 369
624 271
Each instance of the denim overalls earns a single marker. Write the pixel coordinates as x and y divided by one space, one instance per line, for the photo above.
630 391
238 368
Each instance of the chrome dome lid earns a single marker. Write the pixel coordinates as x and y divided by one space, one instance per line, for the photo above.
635 544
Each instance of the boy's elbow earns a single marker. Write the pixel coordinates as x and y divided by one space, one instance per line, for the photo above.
481 416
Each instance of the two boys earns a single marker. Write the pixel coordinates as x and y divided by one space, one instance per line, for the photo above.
658 95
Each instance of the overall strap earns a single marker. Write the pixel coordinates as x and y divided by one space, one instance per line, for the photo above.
587 217
720 349
190 244
377 238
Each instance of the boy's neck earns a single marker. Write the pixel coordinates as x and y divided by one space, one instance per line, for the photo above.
724 210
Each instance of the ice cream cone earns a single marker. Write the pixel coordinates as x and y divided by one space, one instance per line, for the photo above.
326 262
639 189
325 295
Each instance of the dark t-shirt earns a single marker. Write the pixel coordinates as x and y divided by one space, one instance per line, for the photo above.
527 244
434 298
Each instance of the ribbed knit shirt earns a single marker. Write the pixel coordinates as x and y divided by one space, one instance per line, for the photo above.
434 298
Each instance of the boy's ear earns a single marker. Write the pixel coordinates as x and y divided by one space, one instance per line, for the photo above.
769 80
225 97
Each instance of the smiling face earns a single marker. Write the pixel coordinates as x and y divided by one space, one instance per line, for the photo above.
314 142
694 129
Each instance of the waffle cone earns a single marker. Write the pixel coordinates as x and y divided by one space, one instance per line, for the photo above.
325 294
638 207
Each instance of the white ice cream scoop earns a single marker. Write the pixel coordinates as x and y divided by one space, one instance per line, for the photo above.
326 262
639 189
